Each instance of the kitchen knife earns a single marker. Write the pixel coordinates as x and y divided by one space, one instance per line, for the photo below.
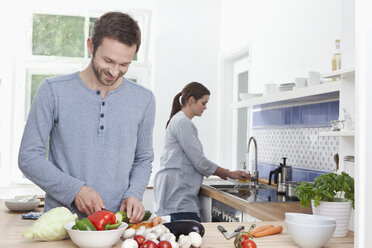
223 231
236 231
233 234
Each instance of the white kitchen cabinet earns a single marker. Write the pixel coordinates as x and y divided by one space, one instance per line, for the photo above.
206 208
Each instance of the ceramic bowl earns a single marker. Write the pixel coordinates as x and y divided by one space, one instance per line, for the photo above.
309 219
19 206
310 236
95 239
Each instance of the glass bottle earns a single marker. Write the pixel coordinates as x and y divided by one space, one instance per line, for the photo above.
336 59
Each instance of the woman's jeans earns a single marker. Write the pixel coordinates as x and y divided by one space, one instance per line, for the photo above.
185 216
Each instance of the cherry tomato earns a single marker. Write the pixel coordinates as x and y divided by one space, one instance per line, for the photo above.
149 244
249 244
139 239
164 244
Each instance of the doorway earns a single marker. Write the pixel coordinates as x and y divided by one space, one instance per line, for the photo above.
234 122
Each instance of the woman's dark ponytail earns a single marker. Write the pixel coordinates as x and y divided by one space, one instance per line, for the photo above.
176 106
194 89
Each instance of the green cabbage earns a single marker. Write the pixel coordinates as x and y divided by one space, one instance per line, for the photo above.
49 227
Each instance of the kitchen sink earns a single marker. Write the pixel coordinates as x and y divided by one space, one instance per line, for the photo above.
241 186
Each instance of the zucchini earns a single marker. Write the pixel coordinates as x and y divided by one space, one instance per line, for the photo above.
184 227
126 219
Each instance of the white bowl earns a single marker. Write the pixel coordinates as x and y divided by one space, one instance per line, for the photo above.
19 206
309 219
310 236
95 239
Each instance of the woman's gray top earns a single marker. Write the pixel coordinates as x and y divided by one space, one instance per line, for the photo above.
182 168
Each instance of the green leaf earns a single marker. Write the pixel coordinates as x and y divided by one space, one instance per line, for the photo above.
327 187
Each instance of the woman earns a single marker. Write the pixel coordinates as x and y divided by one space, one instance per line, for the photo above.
183 164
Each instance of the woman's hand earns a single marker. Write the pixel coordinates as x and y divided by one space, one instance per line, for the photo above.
239 174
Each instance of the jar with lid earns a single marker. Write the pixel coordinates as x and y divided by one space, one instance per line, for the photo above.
349 162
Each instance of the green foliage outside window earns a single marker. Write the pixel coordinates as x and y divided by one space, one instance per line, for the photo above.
36 80
58 35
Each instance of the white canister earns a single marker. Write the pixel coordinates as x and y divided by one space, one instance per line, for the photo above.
313 78
300 82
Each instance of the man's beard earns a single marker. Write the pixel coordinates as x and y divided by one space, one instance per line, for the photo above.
98 72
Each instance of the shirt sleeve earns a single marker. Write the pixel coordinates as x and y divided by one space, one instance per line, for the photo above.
144 155
32 154
187 136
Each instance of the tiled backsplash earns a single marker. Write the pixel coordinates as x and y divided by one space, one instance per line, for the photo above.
293 133
313 115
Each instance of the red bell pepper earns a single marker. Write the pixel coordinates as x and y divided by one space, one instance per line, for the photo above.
104 220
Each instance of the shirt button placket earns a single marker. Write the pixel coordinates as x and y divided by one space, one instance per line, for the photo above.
102 118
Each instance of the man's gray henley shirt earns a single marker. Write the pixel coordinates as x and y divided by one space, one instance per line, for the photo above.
104 143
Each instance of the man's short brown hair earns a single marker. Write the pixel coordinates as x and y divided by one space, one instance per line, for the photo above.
118 26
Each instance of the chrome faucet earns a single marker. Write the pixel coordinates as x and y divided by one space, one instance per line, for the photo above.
254 178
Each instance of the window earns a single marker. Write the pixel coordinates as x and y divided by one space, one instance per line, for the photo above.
56 45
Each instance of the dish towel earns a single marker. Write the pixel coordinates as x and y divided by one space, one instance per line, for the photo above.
31 216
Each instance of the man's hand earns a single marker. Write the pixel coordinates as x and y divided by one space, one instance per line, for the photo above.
135 209
88 201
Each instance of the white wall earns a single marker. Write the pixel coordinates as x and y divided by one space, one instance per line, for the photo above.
288 37
363 183
186 50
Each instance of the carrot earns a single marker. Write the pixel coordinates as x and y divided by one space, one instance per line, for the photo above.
260 229
145 224
271 231
155 221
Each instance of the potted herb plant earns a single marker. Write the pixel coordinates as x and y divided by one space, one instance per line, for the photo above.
331 195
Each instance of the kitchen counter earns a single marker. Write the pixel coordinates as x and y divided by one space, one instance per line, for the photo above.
264 211
12 226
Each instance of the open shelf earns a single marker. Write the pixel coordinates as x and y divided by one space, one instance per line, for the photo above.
312 93
337 134
316 93
344 73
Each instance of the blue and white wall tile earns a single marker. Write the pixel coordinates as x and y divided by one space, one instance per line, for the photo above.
294 133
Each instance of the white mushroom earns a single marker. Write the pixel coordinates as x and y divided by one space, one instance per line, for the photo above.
157 230
151 236
184 241
168 237
174 244
163 228
129 243
196 239
140 230
147 231
129 233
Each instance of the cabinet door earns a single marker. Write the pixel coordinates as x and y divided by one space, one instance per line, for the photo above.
206 208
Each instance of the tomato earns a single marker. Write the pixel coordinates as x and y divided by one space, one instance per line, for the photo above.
164 244
245 236
249 244
139 239
149 244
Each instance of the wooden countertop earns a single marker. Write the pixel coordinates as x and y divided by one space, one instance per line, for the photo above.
265 211
12 226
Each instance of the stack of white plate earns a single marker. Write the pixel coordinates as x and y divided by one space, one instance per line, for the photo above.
286 86
310 231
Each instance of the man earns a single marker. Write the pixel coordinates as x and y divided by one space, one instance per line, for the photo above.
99 126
